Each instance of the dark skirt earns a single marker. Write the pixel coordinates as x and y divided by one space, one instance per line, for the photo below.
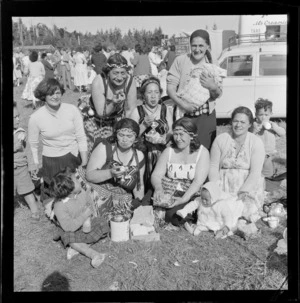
53 165
99 230
206 128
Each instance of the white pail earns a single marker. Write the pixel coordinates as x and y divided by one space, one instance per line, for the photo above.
119 231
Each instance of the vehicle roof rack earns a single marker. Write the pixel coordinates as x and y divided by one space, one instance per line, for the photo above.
257 38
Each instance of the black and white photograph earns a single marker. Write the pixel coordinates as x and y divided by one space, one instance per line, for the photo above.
150 153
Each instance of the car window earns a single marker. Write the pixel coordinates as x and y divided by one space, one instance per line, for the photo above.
238 65
224 64
272 65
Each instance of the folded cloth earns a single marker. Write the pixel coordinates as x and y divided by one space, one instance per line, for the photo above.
143 215
139 229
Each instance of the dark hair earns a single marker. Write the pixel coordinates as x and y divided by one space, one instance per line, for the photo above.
146 82
124 47
98 47
263 103
172 48
79 49
205 36
43 55
138 48
246 111
162 64
187 124
115 59
128 123
33 56
47 87
61 185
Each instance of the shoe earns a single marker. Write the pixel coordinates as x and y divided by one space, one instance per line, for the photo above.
97 260
71 253
181 213
36 216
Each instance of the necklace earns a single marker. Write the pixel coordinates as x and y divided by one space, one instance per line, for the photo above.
152 112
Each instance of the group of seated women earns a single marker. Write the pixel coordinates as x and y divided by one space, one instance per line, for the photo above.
133 152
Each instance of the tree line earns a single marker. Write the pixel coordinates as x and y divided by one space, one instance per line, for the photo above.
40 34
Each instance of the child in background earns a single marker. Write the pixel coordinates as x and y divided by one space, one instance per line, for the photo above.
267 130
72 211
217 211
23 184
162 76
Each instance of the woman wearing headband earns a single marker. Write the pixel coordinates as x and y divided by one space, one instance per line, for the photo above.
113 98
155 122
180 170
116 166
205 116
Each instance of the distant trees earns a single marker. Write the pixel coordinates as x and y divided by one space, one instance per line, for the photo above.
40 34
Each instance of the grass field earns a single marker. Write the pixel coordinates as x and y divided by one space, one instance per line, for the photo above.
179 261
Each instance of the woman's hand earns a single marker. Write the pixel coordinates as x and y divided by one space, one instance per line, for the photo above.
208 82
176 201
189 108
148 120
158 195
118 98
117 172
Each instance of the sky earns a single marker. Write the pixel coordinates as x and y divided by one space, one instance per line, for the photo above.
169 24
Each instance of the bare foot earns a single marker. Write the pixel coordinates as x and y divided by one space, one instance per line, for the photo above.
189 228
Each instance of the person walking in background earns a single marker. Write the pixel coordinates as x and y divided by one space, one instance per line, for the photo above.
49 69
203 117
36 73
66 69
141 64
16 69
127 55
80 77
162 76
25 62
98 59
170 56
154 60
57 59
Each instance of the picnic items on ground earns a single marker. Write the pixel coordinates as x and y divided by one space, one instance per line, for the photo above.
193 92
119 216
142 225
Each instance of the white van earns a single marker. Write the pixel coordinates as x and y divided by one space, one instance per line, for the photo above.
254 70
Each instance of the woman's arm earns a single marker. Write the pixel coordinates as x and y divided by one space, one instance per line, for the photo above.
80 136
99 98
160 170
139 193
43 72
173 80
94 173
257 158
131 103
215 159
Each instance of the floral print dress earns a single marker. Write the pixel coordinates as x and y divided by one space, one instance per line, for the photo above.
235 170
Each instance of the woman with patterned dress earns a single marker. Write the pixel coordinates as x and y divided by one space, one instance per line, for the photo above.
113 98
237 160
155 122
116 166
180 170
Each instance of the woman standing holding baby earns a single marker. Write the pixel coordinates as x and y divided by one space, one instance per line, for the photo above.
205 116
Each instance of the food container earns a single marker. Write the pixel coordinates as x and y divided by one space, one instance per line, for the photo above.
267 125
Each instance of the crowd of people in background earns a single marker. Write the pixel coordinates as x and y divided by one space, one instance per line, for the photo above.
124 140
